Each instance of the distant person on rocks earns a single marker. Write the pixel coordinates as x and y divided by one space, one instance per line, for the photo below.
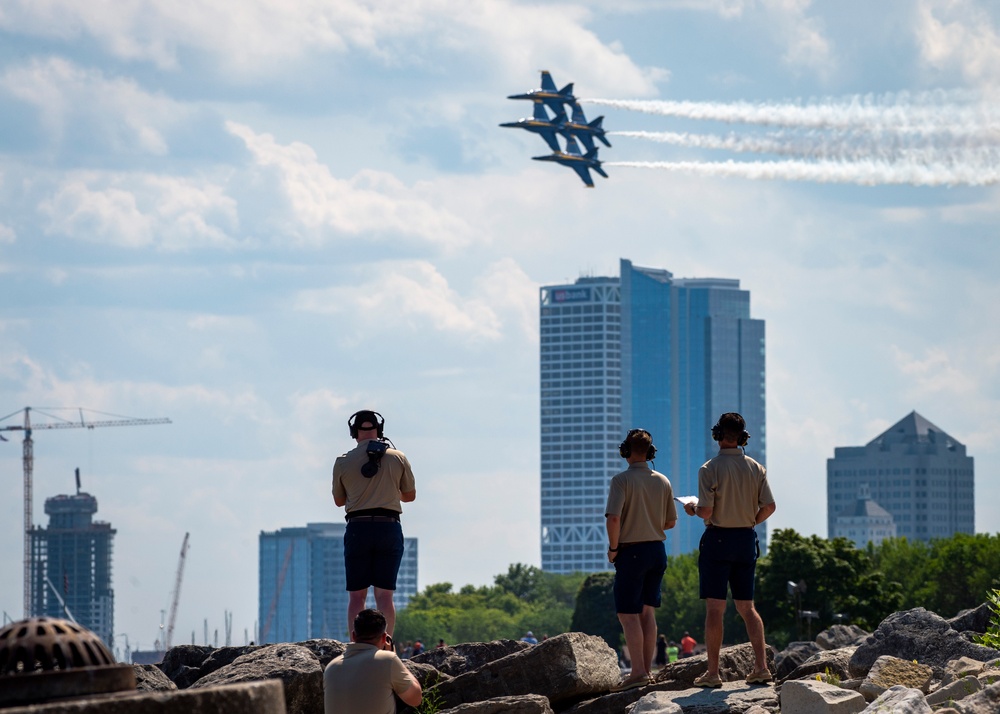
372 480
672 652
733 497
661 651
529 638
639 511
364 678
441 644
688 643
418 647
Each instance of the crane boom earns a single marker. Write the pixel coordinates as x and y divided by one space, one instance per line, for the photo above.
177 595
28 461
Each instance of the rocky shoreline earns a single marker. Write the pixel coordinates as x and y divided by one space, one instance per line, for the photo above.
915 662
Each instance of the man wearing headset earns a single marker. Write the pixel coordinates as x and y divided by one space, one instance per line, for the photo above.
372 480
640 509
733 497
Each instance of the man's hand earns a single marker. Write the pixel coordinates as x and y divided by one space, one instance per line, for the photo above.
612 554
691 509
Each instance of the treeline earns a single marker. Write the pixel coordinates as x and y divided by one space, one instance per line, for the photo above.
834 581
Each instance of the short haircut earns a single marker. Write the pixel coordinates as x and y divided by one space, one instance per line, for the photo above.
639 441
732 426
369 624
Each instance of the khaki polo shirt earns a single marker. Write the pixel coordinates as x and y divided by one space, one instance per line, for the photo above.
644 500
381 490
362 680
735 487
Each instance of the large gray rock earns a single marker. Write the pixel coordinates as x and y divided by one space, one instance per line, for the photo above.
835 663
248 698
179 661
961 667
891 671
425 674
735 663
730 698
655 703
975 620
838 636
150 678
956 691
899 700
565 667
985 702
295 666
526 704
468 656
324 650
920 635
811 697
794 656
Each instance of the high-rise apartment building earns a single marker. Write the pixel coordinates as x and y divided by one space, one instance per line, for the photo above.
915 471
643 350
71 566
302 581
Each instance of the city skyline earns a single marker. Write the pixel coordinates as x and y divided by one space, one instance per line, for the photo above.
644 349
255 227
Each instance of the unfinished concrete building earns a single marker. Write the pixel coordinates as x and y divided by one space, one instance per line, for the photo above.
71 565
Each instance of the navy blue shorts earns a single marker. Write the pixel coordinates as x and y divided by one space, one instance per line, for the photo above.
372 554
639 569
727 557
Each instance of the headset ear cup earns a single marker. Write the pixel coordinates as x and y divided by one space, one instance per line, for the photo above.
651 453
625 449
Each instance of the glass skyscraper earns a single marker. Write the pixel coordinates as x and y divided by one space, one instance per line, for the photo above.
303 591
642 350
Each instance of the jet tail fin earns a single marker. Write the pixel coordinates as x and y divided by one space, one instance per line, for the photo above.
548 83
540 113
578 116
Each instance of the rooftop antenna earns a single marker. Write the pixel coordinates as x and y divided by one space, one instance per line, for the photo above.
77 480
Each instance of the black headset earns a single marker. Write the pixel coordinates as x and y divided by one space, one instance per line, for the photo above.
719 432
625 448
360 417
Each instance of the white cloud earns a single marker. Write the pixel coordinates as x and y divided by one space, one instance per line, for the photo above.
7 234
808 46
960 34
254 36
370 203
141 210
410 295
114 111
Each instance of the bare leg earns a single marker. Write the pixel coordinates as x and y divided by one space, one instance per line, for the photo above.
648 620
632 627
355 604
714 610
755 631
383 601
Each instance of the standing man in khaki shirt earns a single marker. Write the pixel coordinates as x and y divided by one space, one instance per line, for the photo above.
372 480
639 512
733 497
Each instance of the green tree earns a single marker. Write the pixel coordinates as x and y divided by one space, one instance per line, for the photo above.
961 572
839 578
680 609
595 609
905 562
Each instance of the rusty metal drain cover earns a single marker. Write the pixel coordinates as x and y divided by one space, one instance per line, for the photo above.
47 658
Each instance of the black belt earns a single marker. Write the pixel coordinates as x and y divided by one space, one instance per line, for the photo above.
372 519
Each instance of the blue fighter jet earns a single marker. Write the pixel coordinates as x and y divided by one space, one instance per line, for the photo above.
553 98
541 124
579 163
584 131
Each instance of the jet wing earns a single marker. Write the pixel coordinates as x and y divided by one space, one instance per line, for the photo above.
584 174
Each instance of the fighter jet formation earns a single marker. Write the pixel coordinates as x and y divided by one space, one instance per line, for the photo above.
572 128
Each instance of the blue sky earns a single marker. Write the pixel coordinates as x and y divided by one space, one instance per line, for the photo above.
256 217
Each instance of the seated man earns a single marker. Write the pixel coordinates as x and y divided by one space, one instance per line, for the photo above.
363 679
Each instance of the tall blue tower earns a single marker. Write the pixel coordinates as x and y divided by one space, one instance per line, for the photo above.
643 350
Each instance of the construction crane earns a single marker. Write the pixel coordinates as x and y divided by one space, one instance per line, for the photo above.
177 595
29 461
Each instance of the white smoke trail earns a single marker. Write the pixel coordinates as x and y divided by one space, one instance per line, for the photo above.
865 173
934 113
839 145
